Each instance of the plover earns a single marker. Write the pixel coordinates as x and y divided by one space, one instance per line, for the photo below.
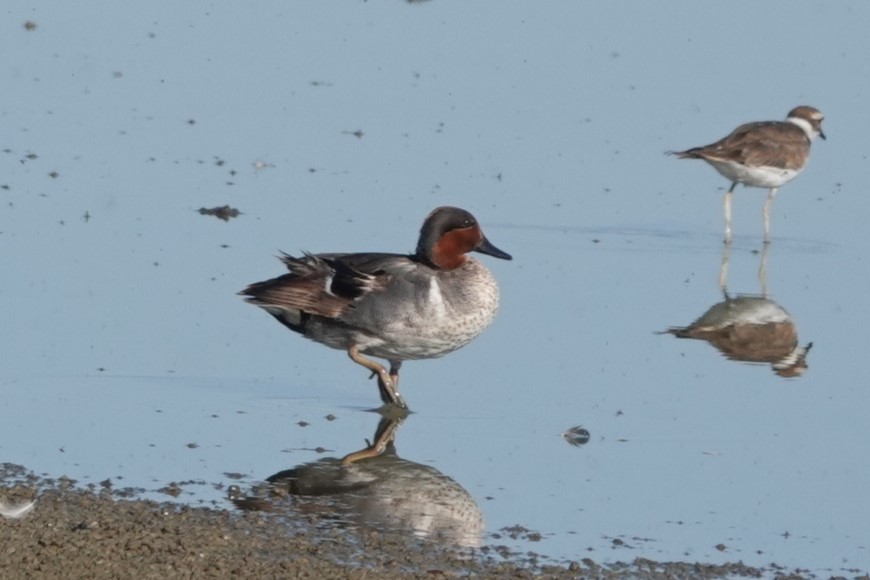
762 154
751 329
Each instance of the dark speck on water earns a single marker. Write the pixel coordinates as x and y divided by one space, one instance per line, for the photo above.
223 212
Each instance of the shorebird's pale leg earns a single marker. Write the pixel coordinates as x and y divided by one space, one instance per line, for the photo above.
723 269
727 208
771 193
389 392
762 270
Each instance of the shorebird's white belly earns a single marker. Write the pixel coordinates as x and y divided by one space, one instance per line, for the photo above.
762 176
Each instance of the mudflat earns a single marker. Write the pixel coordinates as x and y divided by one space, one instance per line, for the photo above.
97 533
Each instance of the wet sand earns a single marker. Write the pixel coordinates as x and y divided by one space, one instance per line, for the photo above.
97 533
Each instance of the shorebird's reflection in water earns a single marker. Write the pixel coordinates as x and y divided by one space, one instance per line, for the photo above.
750 328
374 489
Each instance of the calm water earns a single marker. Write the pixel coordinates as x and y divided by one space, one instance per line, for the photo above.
128 354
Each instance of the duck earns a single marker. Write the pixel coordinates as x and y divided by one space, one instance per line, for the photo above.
390 306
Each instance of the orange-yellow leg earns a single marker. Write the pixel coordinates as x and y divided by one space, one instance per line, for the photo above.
387 382
394 373
384 437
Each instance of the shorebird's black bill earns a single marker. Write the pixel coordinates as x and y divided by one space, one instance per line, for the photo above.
484 247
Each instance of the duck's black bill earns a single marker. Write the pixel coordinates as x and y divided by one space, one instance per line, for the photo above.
487 248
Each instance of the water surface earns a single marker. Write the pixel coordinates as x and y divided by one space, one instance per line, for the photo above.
129 356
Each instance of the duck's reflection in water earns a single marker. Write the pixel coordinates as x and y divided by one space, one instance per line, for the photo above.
374 488
750 328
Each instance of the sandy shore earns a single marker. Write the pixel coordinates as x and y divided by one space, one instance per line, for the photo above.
75 533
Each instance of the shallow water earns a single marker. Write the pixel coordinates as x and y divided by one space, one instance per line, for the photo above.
129 356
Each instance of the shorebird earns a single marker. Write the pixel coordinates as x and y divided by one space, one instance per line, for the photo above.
765 154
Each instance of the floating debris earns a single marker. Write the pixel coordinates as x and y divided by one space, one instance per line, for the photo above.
576 436
518 532
173 489
15 511
224 212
